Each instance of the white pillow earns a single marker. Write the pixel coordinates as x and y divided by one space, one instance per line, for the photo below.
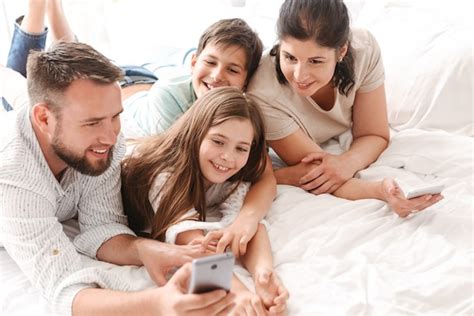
427 52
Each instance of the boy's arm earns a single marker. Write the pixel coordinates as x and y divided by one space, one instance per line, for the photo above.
260 196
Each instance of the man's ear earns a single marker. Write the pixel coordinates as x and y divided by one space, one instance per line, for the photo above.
43 118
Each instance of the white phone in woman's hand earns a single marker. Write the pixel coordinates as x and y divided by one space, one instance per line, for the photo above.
212 273
423 190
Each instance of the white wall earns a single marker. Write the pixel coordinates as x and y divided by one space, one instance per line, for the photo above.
139 31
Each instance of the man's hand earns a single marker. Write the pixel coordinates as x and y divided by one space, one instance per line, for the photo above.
161 258
172 299
328 174
236 236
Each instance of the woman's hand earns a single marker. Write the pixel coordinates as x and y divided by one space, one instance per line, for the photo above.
394 196
328 174
236 236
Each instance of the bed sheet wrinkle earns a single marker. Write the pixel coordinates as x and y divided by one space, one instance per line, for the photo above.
338 257
358 258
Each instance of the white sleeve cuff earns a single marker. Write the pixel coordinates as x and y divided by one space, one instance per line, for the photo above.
183 226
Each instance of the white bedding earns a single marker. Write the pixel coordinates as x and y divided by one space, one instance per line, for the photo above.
355 258
339 257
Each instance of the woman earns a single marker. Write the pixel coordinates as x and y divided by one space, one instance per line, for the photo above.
320 79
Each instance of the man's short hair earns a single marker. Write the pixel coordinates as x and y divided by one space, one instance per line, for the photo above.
234 32
51 72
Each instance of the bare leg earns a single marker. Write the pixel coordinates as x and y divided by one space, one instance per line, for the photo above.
33 22
259 261
60 28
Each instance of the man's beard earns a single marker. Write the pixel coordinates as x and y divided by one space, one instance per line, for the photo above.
80 163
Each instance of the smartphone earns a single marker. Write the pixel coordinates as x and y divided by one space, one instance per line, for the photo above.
423 190
212 273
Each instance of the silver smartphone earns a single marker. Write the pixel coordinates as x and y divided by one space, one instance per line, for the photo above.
212 273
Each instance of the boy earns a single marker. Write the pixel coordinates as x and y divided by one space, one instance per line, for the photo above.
228 54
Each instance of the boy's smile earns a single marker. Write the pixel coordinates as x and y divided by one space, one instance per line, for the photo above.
219 66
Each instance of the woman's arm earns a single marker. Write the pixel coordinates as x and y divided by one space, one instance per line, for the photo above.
370 128
292 149
329 172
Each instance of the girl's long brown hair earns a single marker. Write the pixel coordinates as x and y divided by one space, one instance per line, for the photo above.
177 151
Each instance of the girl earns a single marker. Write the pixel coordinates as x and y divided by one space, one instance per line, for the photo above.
321 79
227 54
194 171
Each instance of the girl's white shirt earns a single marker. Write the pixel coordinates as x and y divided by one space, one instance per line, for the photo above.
223 206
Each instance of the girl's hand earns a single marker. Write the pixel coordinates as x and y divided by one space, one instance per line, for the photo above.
271 291
210 247
329 173
236 236
247 303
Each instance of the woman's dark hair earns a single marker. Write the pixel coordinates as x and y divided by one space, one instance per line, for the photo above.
324 21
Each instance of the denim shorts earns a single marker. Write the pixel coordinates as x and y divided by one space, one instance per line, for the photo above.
6 105
22 44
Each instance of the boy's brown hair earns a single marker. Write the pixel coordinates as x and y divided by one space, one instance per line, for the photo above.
234 32
51 72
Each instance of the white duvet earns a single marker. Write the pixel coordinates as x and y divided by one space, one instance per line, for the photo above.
339 257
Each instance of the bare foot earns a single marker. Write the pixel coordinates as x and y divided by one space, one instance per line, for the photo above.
396 200
271 290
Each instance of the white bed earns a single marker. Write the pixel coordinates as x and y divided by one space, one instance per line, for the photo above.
339 257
